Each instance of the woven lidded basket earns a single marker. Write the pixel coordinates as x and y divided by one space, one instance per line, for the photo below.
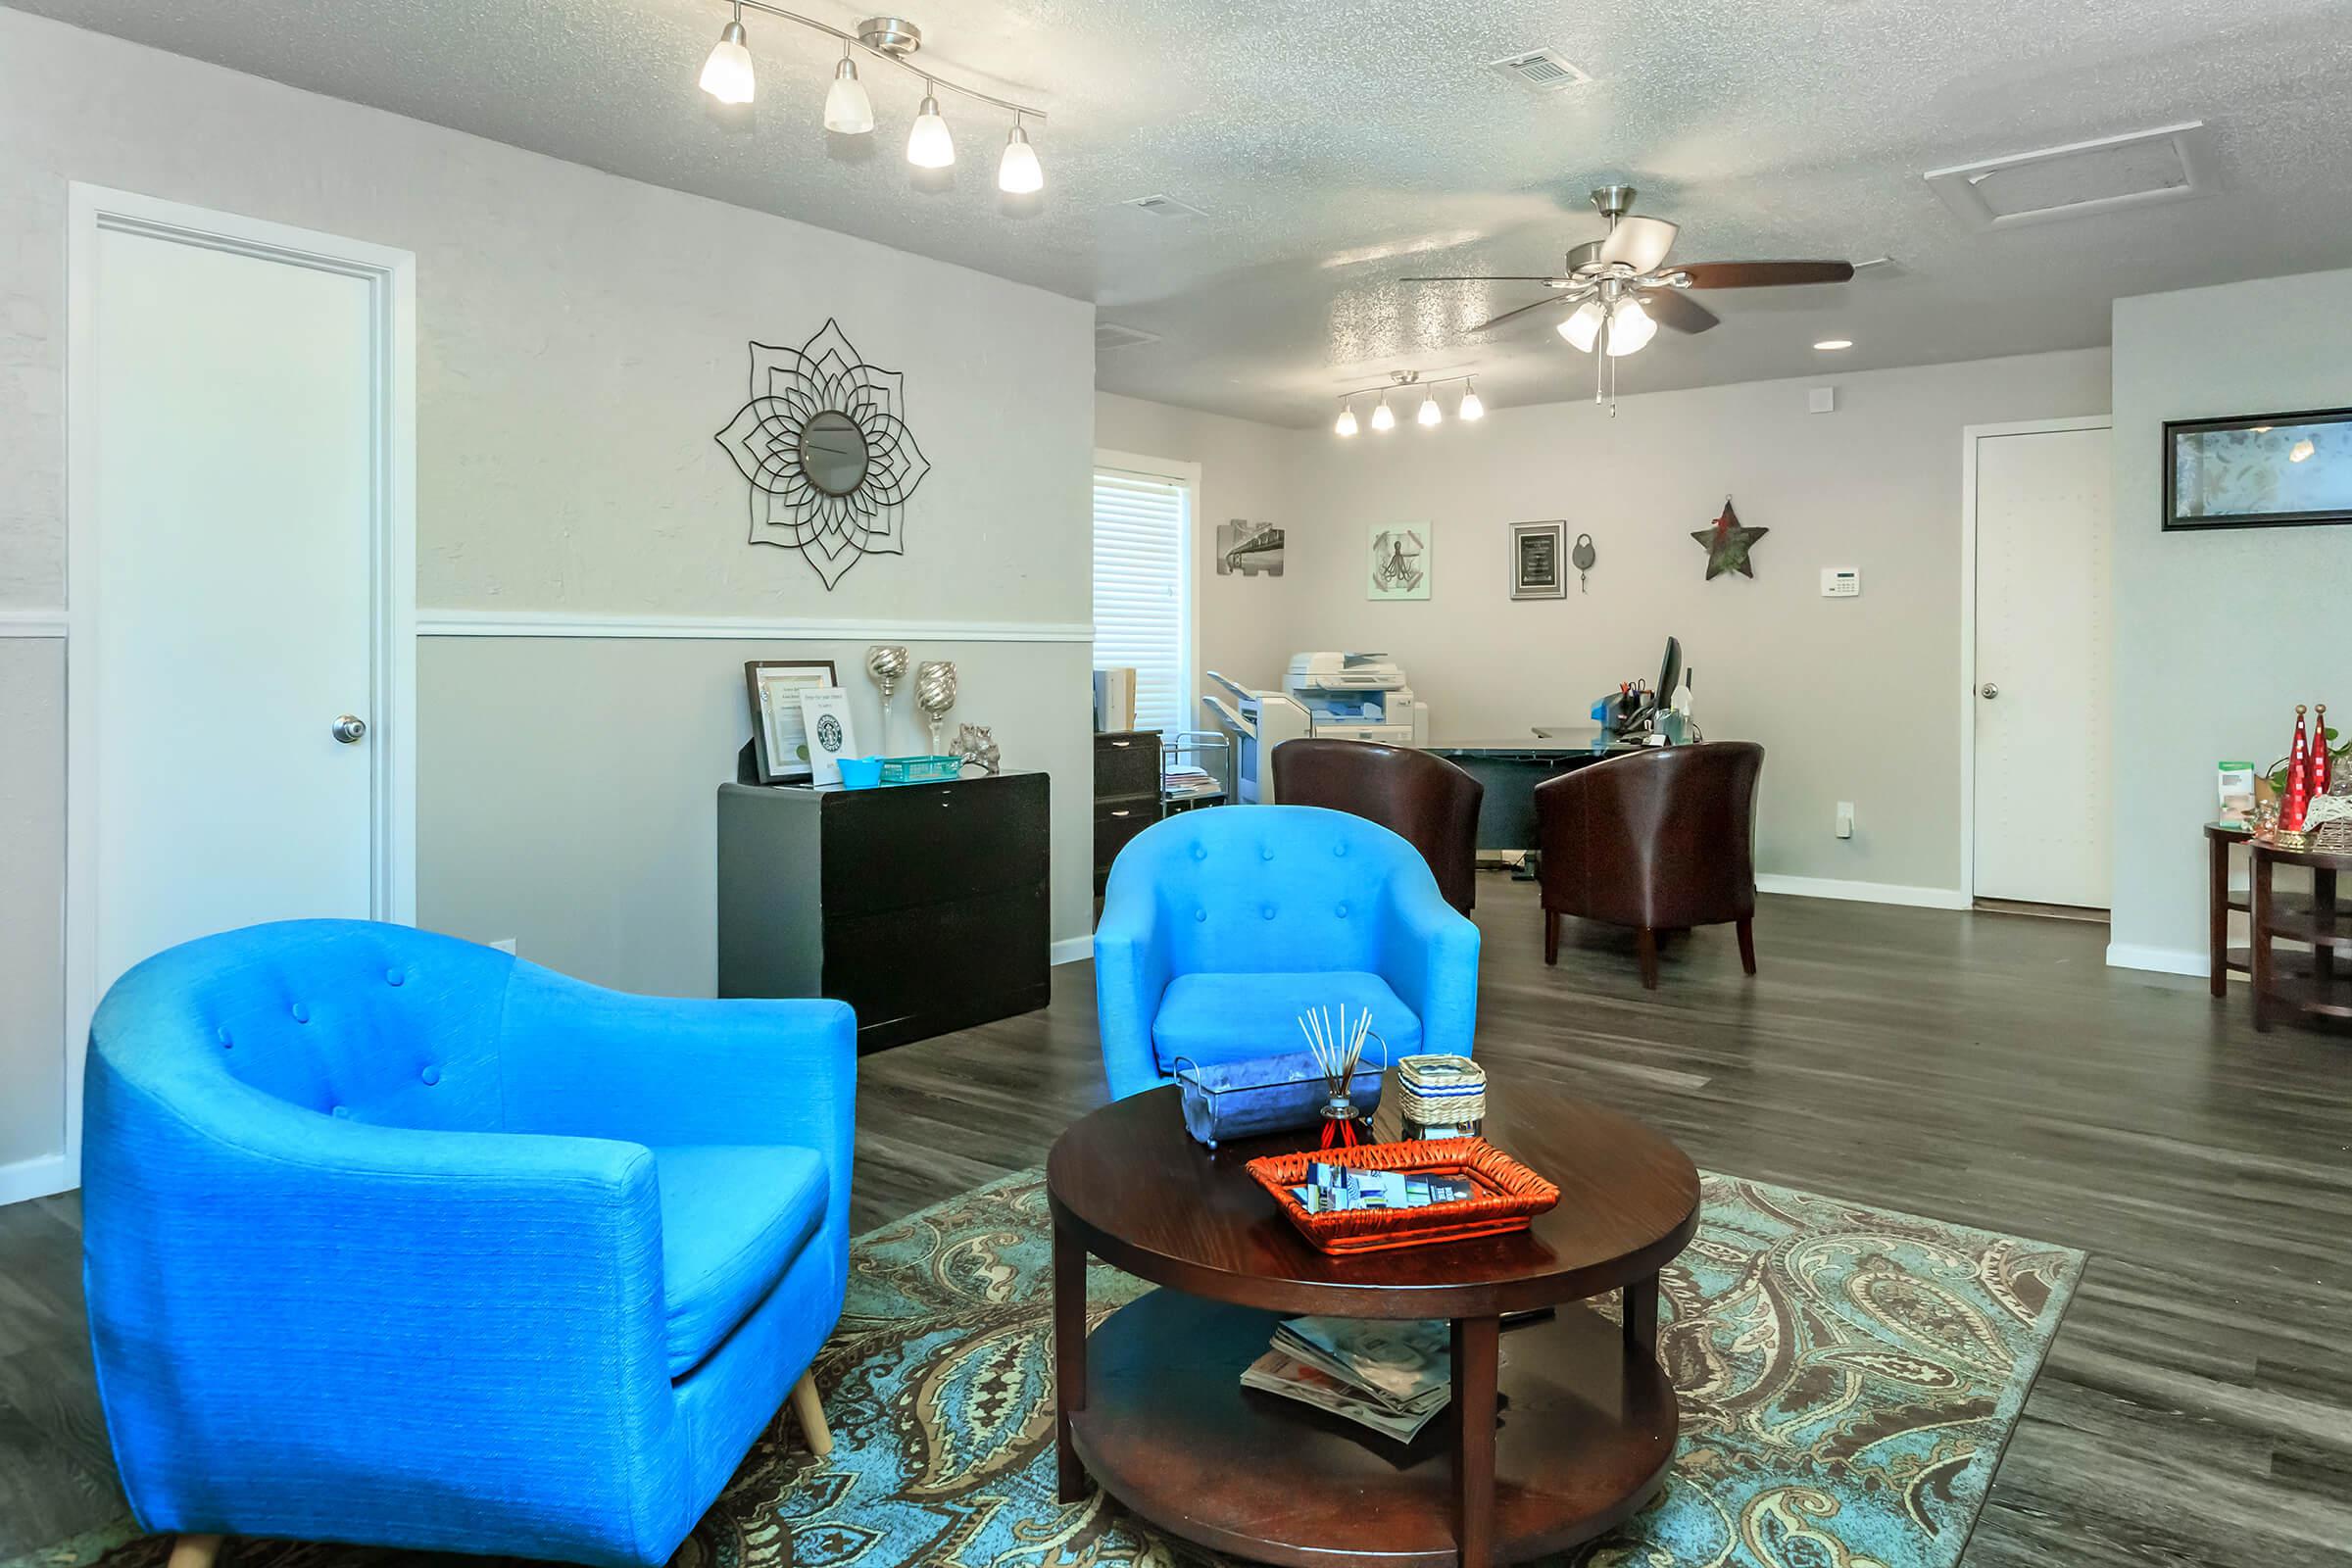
1441 1091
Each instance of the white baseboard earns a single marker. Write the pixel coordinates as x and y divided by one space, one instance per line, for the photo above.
1821 887
2159 960
34 1178
1071 950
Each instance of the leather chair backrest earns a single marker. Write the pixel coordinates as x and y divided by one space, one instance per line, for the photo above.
1663 837
1425 800
1265 889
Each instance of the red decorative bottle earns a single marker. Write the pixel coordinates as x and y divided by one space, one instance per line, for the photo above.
2322 769
2298 778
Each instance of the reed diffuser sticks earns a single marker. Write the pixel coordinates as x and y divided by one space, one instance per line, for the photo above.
1337 1051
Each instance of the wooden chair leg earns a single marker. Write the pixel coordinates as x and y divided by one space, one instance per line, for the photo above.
811 1413
1747 944
1551 936
195 1551
1646 947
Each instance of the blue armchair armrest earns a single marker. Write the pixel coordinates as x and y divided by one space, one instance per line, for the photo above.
582 1061
402 1355
1130 973
1429 957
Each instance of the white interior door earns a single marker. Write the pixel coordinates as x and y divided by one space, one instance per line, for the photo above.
2041 700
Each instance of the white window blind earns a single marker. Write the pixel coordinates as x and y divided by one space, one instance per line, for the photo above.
1142 560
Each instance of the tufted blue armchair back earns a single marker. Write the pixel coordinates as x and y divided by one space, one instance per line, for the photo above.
1268 889
372 1023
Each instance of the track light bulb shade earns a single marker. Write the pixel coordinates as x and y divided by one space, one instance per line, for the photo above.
1430 412
727 73
847 110
1017 171
1382 419
928 145
1346 424
1630 326
1471 407
1583 327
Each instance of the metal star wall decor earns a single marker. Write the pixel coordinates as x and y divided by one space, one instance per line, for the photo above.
1728 543
824 443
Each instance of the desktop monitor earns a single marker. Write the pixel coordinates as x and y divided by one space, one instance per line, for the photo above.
1670 675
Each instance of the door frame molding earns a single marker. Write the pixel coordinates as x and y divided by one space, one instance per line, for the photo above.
391 276
1969 436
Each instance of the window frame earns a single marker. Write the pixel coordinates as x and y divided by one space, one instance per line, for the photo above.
1187 474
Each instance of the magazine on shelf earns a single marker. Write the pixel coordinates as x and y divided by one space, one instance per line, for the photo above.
1389 1377
1276 1373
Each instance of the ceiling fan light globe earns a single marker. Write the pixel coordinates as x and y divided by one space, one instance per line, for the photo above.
1630 327
1583 328
727 73
849 111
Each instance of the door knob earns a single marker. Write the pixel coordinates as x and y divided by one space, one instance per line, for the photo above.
1989 691
350 729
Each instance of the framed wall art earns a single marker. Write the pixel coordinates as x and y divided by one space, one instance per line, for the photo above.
1537 557
1399 560
779 735
2258 471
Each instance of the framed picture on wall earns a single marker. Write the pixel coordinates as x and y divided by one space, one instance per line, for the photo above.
1399 560
2258 471
779 735
1537 553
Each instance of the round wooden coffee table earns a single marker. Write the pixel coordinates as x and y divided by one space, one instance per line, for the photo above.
1152 1406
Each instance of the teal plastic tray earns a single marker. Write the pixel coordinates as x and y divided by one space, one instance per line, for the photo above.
921 769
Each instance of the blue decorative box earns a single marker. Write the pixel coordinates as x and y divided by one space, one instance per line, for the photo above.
1270 1095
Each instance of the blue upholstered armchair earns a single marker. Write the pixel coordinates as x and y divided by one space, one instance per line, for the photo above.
1220 926
393 1238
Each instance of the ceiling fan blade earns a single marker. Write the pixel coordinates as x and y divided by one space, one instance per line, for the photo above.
1485 278
1495 321
1764 274
1640 243
1671 306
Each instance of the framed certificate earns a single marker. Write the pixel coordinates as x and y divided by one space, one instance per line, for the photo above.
1539 556
779 734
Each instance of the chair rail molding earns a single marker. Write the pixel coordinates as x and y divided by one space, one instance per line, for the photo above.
34 623
741 628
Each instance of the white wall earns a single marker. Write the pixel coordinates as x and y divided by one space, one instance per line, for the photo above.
2218 634
1854 700
580 339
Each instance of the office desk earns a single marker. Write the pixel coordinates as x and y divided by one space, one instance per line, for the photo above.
1511 770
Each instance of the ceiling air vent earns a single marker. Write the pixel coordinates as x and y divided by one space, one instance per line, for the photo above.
1110 335
1543 70
1164 207
2168 163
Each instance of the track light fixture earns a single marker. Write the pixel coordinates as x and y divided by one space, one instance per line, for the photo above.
727 75
1428 413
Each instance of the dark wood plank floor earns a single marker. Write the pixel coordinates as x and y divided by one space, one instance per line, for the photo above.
1990 1069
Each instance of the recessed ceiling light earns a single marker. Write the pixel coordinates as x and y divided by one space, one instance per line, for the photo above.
1831 345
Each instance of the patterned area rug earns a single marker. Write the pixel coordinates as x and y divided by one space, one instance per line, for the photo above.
1847 1377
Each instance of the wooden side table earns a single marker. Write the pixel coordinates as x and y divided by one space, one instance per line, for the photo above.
2220 840
2322 989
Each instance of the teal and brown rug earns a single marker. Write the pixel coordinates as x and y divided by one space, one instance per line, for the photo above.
1847 1376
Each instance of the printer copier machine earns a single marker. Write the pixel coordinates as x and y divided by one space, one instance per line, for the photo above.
1334 696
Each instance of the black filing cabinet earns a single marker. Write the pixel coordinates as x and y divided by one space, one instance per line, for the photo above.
1126 793
924 906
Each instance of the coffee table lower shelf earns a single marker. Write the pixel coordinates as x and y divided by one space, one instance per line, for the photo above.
1585 1439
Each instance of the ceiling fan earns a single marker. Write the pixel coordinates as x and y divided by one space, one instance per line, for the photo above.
1624 291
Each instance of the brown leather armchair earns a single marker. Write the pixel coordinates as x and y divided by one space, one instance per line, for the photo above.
1423 799
1661 840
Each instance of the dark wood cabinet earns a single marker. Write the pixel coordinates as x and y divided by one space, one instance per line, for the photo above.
923 906
1126 792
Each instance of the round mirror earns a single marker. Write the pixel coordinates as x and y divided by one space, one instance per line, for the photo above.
833 452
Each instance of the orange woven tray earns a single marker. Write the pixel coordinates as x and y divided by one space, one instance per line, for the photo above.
1509 1195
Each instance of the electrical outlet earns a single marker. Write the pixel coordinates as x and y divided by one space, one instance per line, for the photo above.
1845 820
504 943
